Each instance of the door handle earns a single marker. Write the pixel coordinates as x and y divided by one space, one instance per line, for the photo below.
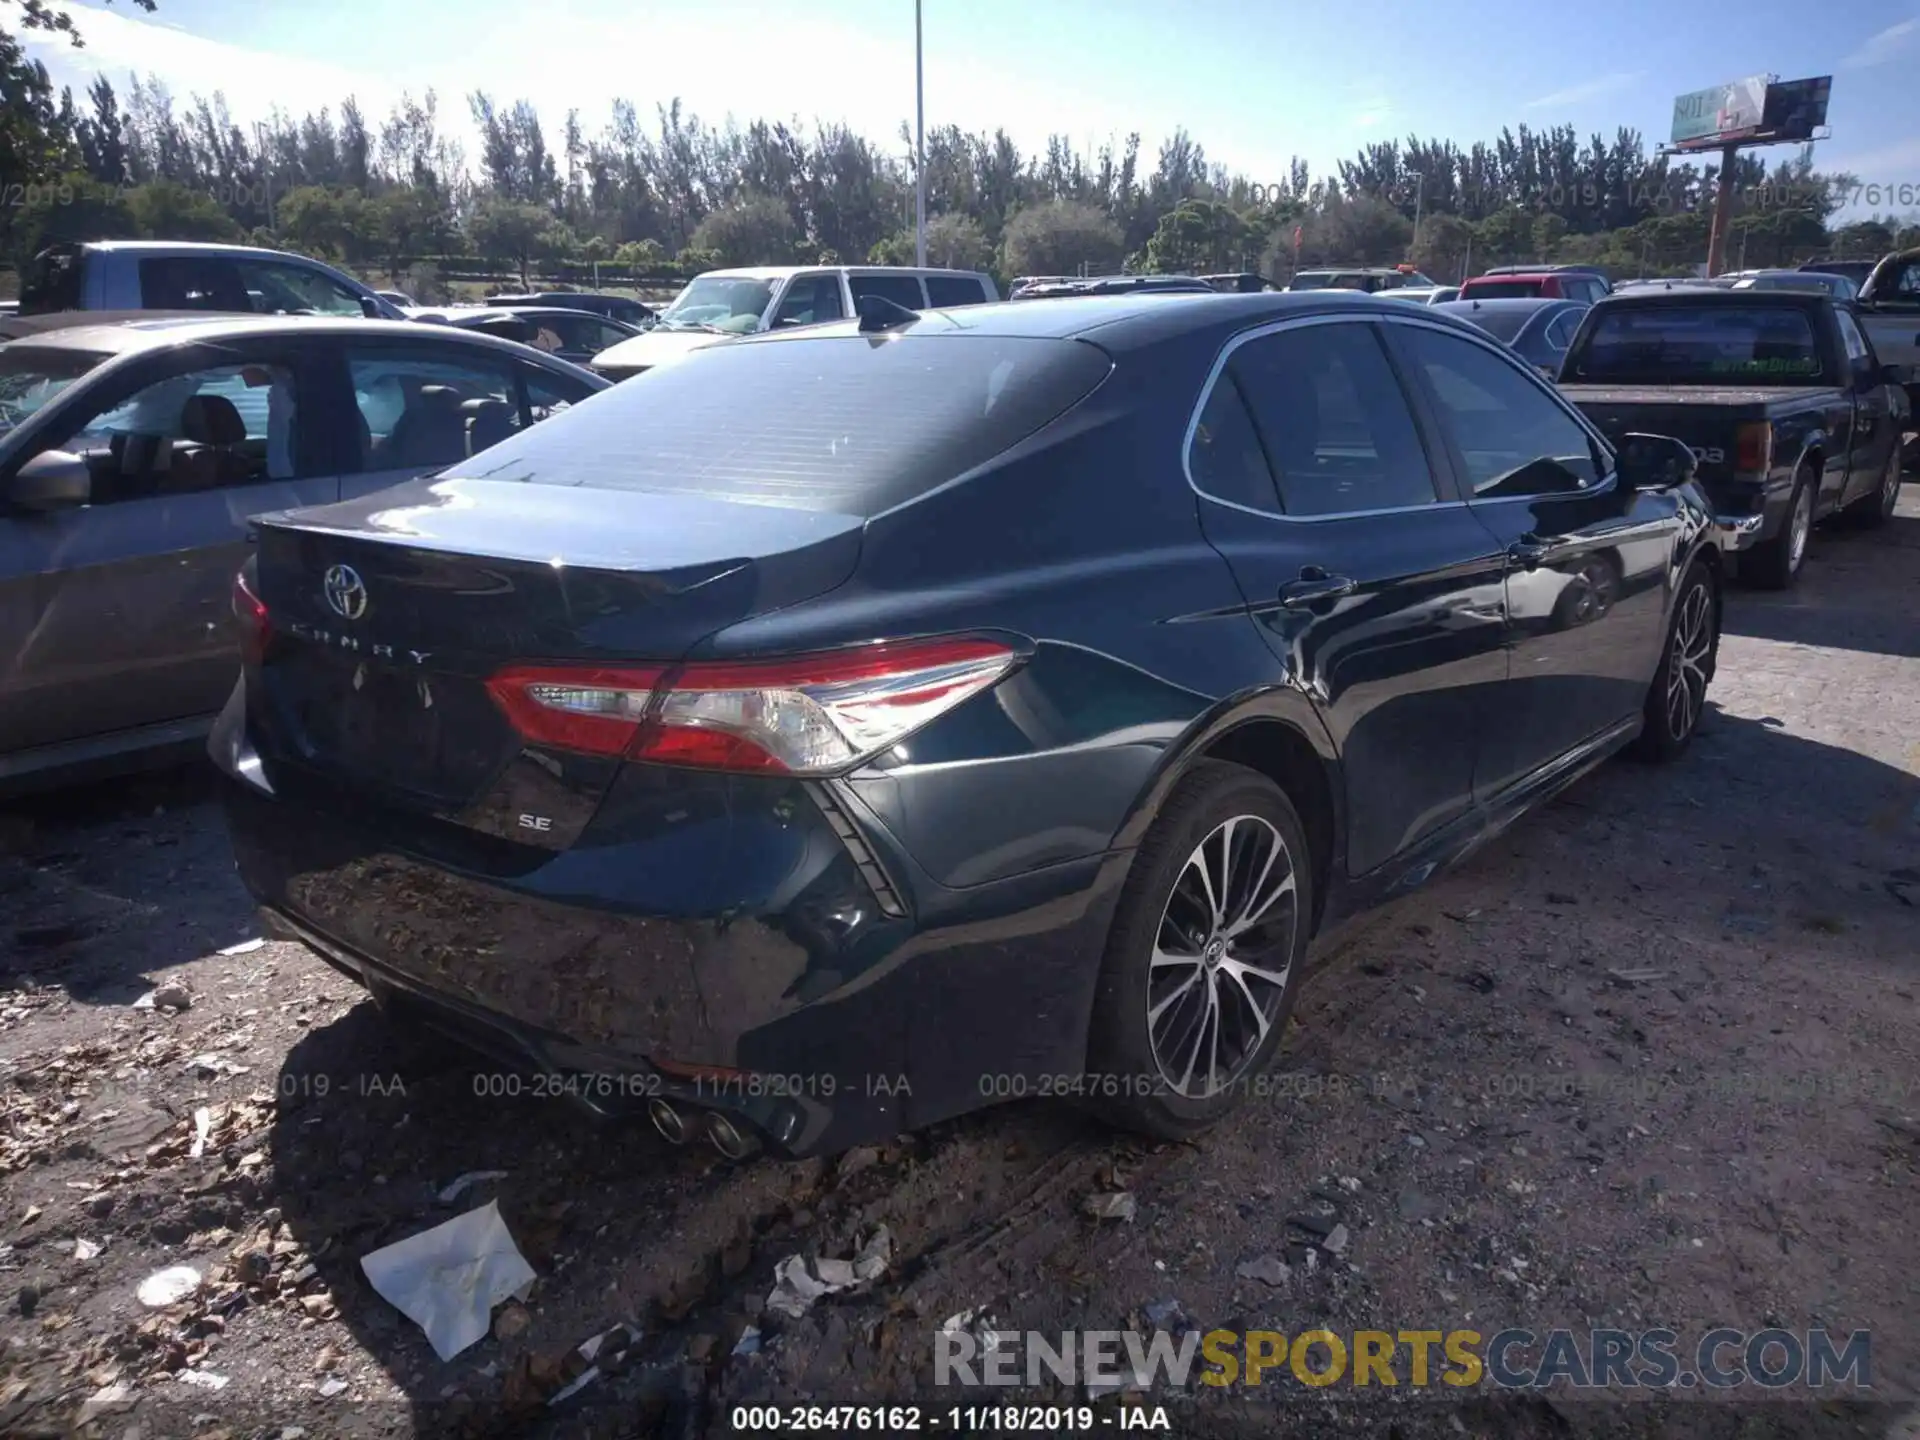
1314 584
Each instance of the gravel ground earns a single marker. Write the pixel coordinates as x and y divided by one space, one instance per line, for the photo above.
1651 1058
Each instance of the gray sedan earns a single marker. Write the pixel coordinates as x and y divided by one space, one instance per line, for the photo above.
1538 330
132 456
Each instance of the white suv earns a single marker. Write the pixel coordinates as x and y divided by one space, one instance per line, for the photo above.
723 304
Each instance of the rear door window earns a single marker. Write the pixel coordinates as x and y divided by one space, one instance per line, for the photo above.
1333 420
792 421
945 292
193 282
420 410
900 289
811 300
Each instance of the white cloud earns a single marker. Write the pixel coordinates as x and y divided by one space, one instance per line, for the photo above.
1888 44
1588 90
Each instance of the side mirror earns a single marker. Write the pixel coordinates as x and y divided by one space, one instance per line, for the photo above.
1654 462
51 480
373 307
1896 375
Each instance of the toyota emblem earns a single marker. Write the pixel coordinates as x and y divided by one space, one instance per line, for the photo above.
346 592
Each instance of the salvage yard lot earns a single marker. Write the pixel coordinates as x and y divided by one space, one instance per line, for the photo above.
1651 1059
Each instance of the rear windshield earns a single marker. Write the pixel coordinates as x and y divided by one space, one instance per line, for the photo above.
30 379
850 424
1504 289
1503 325
52 281
1698 345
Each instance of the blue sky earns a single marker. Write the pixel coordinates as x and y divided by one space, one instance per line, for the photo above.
1256 83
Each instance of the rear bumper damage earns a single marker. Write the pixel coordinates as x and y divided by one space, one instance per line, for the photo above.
739 962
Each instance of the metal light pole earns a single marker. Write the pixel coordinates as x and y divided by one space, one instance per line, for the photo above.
919 147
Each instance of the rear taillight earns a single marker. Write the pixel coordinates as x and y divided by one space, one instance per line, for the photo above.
806 715
1753 448
593 710
255 627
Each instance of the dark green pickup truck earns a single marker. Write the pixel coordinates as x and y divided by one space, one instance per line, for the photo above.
1789 411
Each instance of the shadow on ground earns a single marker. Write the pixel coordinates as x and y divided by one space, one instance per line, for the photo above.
624 1228
69 904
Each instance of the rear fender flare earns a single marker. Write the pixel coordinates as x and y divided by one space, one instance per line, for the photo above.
1280 704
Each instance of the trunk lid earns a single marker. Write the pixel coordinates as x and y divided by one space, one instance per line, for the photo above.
390 612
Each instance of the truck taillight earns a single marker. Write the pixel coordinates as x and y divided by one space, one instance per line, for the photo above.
256 627
804 715
1753 448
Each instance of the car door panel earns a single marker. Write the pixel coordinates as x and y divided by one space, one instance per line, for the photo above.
130 596
1391 620
1587 564
131 609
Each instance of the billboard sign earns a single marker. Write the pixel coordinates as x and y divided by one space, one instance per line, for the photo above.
1796 108
1723 112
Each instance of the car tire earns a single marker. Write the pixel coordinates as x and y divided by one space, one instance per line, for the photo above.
1677 698
1183 977
1775 564
1873 510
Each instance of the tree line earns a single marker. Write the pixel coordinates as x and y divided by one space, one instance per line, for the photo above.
670 193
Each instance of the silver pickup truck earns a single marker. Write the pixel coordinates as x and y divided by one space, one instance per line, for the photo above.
1889 307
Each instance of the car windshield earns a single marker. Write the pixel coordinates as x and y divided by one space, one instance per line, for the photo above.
31 379
1699 345
792 423
719 302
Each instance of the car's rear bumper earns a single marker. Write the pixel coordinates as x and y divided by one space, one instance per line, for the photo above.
802 1009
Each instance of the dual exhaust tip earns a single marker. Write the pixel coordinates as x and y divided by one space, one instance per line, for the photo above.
677 1128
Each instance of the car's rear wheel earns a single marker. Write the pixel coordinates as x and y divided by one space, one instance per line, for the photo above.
1678 695
1775 565
1874 510
1205 952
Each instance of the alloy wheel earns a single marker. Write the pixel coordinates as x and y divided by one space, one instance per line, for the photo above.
1222 956
1687 666
1802 523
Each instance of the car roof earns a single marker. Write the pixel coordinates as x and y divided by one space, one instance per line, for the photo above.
782 272
155 330
1511 305
1118 323
1700 292
192 247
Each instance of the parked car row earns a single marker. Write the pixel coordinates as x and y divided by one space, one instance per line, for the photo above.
711 729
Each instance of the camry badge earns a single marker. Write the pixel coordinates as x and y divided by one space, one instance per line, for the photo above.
346 592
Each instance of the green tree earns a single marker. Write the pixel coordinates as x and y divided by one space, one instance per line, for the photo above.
324 221
1196 237
510 230
957 242
74 207
1057 237
648 254
168 210
752 230
693 260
